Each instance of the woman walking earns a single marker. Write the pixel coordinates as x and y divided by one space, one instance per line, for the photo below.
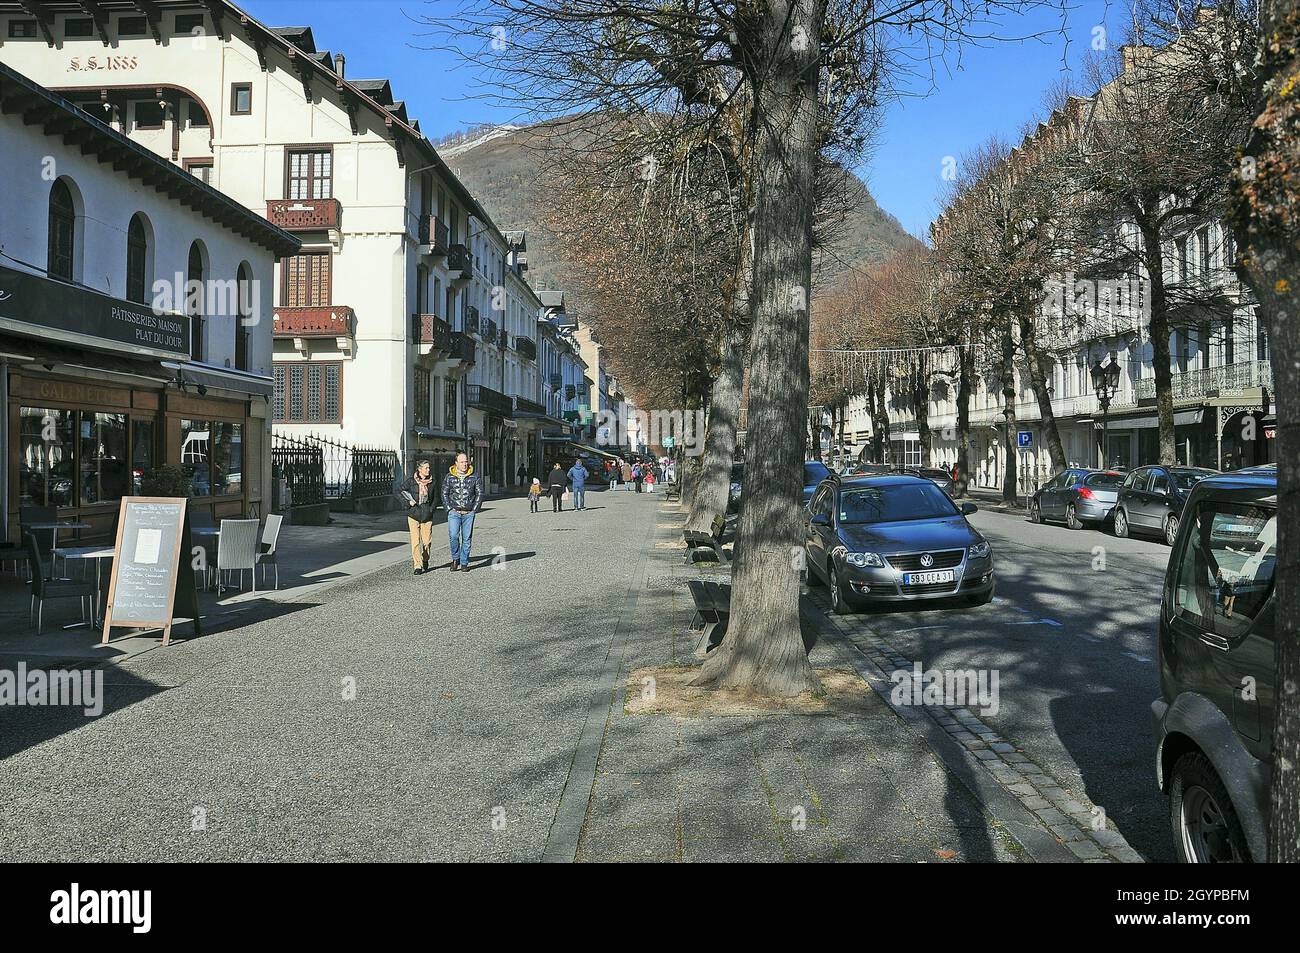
416 496
556 484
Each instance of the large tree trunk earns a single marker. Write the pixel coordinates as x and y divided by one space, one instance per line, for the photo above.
1010 454
714 481
965 371
1266 206
880 419
921 400
1038 365
1153 257
876 435
763 650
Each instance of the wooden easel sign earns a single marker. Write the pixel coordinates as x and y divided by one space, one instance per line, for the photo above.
153 575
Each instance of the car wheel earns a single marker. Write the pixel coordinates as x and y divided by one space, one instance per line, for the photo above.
1072 518
839 601
1035 512
814 580
1205 825
1121 524
1171 529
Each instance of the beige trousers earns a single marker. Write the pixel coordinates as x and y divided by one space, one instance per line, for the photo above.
421 540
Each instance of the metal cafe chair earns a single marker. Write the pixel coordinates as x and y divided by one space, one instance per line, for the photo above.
266 552
237 551
43 588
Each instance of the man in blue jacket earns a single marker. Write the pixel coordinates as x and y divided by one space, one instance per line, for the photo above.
462 494
578 477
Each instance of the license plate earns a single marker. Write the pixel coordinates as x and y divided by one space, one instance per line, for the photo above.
926 578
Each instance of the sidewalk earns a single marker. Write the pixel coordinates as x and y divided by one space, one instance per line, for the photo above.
311 558
855 785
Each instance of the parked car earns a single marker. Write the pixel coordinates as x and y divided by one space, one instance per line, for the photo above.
813 474
871 469
1215 646
894 539
1077 497
1152 498
938 476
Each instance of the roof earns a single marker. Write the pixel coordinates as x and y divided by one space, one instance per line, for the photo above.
59 117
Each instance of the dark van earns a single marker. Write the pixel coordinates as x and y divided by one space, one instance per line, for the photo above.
1214 719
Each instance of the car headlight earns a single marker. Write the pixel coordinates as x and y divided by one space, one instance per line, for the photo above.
979 550
864 560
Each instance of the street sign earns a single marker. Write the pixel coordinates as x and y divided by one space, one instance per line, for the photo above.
1025 439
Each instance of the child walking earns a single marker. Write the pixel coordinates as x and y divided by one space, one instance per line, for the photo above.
534 494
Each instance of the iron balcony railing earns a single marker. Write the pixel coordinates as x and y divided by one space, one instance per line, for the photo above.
530 407
459 258
526 347
434 234
485 398
465 350
1225 381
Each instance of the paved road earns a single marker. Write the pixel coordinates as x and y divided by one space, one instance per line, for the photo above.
1073 639
471 694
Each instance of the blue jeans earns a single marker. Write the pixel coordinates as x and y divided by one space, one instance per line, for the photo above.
579 497
460 528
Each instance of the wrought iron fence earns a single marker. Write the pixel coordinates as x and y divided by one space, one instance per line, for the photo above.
322 468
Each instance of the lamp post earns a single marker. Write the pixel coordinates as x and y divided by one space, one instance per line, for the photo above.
1105 383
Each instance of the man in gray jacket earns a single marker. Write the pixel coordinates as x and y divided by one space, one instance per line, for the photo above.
462 494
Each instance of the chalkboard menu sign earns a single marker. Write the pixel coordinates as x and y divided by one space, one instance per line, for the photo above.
153 572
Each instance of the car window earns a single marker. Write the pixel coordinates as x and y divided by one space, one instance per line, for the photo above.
887 504
825 504
1159 481
1103 480
814 473
1225 572
1186 479
1137 480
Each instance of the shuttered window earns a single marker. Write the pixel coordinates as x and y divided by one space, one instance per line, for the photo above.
311 175
306 281
308 393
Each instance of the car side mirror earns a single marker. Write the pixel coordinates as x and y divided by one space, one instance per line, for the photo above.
968 508
821 519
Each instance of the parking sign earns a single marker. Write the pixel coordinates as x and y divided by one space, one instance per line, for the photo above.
1025 439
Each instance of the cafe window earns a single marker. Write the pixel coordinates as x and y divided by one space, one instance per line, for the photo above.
422 397
212 457
310 174
142 453
102 458
62 234
137 260
47 453
309 393
306 281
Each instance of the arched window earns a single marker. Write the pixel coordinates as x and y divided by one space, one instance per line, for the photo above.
63 219
137 257
243 311
194 301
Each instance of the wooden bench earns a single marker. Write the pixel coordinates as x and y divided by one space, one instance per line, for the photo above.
713 610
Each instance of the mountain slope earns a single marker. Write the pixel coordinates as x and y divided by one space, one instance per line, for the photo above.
499 165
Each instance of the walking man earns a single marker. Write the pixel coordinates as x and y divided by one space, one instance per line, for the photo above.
416 497
578 477
556 485
522 473
637 476
462 494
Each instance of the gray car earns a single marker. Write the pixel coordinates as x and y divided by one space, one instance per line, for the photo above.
1077 497
1152 498
892 540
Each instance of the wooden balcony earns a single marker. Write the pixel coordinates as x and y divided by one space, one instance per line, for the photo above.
433 335
304 215
327 321
433 236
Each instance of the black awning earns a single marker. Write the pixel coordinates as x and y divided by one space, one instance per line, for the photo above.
241 382
43 353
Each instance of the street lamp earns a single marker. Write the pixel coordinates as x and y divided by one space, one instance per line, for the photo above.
1105 383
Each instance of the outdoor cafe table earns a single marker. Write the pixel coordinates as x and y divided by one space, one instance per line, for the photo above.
98 554
54 533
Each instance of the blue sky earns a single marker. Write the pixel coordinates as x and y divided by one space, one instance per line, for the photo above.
994 89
